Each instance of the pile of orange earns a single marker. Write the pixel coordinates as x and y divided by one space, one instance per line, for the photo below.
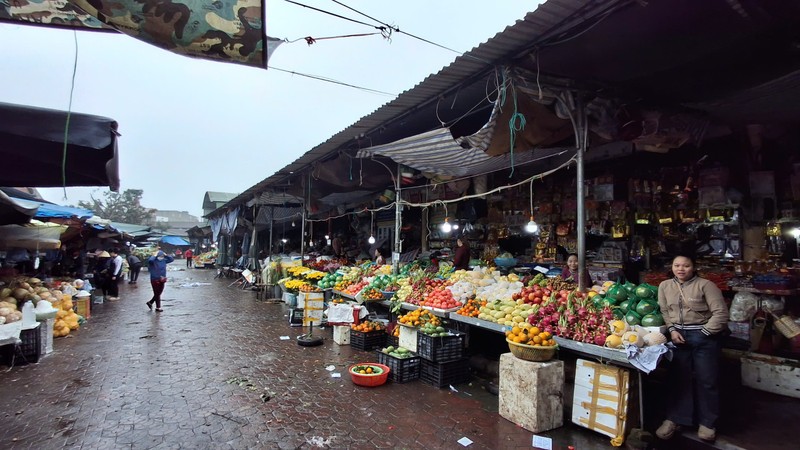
418 317
368 326
530 335
309 288
472 308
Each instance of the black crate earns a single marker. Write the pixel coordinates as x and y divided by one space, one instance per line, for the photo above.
445 374
394 341
367 341
401 369
28 351
441 349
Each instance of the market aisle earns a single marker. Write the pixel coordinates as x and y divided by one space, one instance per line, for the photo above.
193 377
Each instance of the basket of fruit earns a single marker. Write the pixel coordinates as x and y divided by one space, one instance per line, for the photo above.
369 374
538 353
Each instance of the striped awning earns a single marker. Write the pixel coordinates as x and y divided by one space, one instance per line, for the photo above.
438 152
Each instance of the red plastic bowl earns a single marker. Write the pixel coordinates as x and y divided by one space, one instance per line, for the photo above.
369 380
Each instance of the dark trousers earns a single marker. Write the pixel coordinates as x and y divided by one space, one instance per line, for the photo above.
135 269
694 374
158 288
113 287
189 262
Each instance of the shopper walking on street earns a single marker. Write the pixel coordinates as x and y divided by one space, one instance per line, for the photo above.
157 266
101 272
135 267
115 273
188 254
696 314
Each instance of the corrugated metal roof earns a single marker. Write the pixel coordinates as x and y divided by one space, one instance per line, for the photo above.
549 18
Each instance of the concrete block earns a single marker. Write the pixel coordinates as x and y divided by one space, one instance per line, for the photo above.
341 334
532 393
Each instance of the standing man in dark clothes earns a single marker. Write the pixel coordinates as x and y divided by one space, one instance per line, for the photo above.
135 265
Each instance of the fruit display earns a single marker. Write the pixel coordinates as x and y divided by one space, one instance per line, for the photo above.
293 285
9 313
440 298
505 312
397 352
419 317
314 276
355 288
371 294
433 330
327 281
309 288
368 326
528 334
572 315
472 308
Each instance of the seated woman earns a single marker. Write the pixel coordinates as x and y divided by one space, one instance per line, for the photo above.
570 273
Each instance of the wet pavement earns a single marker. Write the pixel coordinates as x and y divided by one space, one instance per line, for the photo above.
212 372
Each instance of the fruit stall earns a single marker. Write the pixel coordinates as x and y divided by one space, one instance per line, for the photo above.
433 314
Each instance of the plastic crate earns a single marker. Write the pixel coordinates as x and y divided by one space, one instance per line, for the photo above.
28 351
368 341
444 374
394 341
441 349
402 369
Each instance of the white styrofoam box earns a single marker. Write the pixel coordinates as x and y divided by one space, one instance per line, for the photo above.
408 338
47 335
771 374
532 393
341 334
600 401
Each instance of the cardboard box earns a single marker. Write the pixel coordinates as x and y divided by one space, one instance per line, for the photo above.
532 393
341 334
771 374
408 338
600 401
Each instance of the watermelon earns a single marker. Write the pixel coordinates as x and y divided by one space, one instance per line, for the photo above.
625 305
646 307
652 320
644 291
617 292
633 318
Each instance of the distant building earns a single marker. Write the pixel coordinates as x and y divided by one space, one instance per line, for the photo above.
174 223
214 200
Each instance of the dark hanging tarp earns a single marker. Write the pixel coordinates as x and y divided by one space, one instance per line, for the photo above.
223 30
32 148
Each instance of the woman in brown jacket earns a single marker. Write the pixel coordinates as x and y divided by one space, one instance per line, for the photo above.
696 314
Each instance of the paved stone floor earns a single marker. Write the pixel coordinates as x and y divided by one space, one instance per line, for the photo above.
131 378
212 372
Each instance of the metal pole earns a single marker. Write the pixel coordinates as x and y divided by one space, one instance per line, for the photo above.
580 134
398 222
271 227
253 246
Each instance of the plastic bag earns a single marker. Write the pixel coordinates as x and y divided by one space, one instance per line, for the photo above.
743 306
772 304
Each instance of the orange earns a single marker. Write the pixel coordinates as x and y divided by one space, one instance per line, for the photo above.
515 330
534 331
537 340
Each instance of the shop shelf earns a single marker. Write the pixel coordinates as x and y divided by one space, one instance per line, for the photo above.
445 374
402 369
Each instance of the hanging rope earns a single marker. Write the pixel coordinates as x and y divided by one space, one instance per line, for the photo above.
312 40
69 116
515 125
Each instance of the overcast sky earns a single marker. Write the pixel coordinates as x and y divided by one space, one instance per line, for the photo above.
189 126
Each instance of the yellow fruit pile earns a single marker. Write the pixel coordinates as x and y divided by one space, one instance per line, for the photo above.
66 318
418 317
527 334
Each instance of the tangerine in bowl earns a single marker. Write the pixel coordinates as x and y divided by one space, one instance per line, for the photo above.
369 374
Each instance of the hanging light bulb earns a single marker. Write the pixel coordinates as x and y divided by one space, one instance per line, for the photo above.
532 226
327 237
371 239
455 226
446 227
293 224
284 240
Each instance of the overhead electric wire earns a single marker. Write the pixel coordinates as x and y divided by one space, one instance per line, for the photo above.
335 15
329 80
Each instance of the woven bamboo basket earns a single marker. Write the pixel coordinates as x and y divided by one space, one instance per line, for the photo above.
531 353
786 326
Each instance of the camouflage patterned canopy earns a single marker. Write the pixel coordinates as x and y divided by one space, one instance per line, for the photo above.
223 30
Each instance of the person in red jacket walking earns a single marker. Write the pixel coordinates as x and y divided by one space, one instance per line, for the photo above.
188 254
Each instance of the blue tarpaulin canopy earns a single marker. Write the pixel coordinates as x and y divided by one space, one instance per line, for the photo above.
50 211
174 240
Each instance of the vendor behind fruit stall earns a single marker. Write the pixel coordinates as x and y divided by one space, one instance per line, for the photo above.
571 271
